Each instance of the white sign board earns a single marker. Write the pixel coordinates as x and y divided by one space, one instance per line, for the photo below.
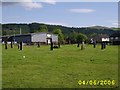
105 39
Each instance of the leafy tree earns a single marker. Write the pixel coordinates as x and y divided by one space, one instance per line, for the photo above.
4 32
60 35
73 37
43 28
93 35
81 38
33 27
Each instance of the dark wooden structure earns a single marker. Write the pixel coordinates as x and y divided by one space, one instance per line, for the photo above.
115 38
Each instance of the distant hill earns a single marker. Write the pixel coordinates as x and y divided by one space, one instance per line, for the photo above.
10 29
99 27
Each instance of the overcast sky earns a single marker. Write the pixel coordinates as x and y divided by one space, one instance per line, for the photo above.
74 14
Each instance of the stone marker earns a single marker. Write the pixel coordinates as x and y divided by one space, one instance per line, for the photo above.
20 45
51 44
11 44
5 44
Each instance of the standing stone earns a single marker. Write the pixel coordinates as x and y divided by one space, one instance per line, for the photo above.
5 44
51 44
82 46
11 44
59 44
78 44
20 45
102 45
38 44
94 44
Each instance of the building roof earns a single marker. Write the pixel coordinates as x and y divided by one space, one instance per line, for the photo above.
103 36
28 34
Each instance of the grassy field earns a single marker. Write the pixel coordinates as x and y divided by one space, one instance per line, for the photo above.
64 67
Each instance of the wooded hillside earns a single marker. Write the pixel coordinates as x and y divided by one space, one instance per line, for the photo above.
10 29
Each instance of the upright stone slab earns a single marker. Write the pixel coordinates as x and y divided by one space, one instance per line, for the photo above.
20 45
59 44
51 44
38 44
11 44
102 45
6 44
94 44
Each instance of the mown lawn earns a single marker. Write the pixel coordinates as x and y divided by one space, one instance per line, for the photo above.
60 68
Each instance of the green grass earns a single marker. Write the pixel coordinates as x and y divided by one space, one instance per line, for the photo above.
64 67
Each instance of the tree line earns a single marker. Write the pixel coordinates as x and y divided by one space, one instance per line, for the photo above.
68 35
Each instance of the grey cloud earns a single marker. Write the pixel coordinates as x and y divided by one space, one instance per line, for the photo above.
9 3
